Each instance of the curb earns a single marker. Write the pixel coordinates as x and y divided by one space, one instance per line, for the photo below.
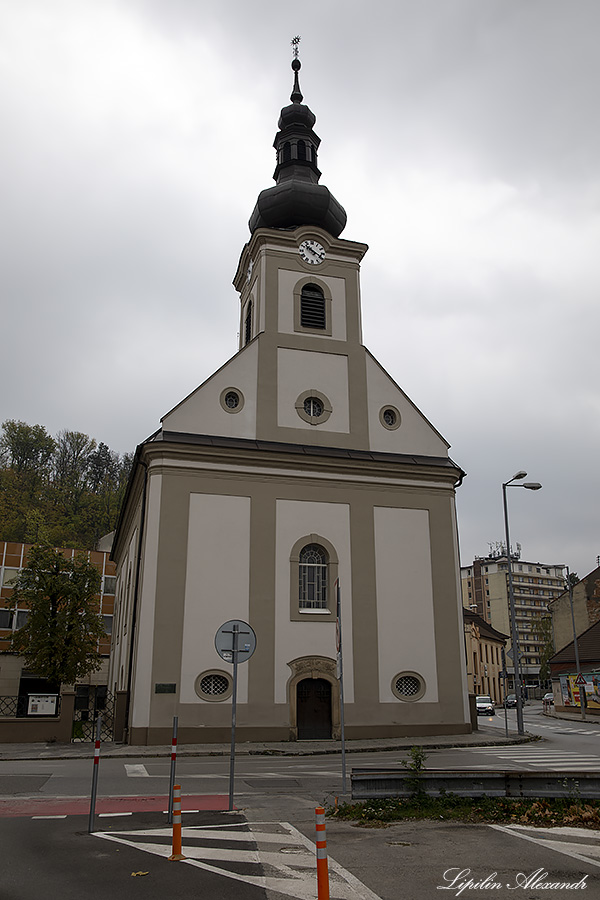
163 752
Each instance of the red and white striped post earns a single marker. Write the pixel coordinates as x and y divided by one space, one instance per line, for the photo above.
95 775
173 763
321 844
177 854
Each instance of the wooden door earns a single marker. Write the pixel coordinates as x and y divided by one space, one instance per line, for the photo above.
314 709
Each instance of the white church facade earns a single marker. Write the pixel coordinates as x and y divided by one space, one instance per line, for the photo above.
299 462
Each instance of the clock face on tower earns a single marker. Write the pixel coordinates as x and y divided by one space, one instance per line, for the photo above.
312 252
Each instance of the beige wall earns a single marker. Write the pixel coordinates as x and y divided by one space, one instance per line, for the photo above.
337 286
405 616
415 434
216 585
397 565
295 519
143 662
202 412
301 370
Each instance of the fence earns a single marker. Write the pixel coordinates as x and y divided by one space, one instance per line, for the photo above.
74 720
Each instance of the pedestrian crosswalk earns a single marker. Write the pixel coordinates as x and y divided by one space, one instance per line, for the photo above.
564 730
272 855
585 846
537 757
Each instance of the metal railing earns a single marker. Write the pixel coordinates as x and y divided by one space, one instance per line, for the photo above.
11 707
370 784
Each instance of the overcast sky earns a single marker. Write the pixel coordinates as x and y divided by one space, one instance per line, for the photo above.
461 136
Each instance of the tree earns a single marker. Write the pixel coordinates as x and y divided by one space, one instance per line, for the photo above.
60 638
64 491
542 631
26 448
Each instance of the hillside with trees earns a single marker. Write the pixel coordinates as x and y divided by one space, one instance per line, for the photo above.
64 490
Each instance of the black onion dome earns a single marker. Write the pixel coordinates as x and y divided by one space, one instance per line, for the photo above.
297 198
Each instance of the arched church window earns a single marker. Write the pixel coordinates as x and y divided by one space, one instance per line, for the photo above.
312 307
312 577
248 323
301 150
287 151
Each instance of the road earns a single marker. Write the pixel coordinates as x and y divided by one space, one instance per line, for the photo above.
264 850
566 745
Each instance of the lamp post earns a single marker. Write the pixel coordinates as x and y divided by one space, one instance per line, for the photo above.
576 646
514 636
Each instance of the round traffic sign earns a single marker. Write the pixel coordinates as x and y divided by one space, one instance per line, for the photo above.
226 641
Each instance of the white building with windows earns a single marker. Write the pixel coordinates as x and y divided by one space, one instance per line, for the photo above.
299 462
535 586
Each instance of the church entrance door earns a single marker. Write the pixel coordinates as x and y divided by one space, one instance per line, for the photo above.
314 709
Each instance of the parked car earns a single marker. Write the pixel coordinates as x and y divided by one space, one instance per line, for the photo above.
484 704
510 701
548 698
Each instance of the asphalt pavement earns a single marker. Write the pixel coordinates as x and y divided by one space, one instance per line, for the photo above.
265 851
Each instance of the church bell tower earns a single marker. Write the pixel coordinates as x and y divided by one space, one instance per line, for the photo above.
297 464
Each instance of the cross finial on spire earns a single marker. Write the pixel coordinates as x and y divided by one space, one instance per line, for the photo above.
296 95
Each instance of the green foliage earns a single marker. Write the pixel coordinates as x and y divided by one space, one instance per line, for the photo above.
416 759
65 490
542 631
415 764
537 813
60 639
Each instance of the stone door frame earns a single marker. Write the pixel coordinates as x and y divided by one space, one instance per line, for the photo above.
313 667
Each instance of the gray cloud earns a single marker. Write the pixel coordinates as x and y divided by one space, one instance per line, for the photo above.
462 140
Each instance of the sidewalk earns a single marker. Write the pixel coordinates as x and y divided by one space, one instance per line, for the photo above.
485 736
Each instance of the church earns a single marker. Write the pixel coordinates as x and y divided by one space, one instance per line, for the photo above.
298 465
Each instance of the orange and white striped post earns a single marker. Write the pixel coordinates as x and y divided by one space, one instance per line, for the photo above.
177 854
321 844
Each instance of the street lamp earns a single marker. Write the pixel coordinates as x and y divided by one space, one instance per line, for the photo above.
575 645
530 486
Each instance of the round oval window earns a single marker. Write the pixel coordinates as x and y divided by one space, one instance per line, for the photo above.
214 685
313 407
408 686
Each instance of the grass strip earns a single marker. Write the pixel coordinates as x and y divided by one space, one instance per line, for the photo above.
506 810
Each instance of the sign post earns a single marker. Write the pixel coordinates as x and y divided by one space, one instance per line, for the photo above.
235 642
505 680
340 675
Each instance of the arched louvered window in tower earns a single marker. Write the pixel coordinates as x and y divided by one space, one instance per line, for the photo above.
301 150
248 323
312 307
312 572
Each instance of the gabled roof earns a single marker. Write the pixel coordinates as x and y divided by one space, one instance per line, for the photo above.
588 644
485 629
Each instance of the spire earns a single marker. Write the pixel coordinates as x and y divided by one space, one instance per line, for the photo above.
297 198
296 95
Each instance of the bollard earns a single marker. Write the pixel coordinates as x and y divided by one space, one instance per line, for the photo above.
321 844
173 763
177 854
95 775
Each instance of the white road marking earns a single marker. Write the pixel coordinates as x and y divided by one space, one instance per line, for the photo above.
554 760
136 771
114 815
48 817
295 871
589 853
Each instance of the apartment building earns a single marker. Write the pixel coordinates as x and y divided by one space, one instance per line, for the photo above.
485 591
